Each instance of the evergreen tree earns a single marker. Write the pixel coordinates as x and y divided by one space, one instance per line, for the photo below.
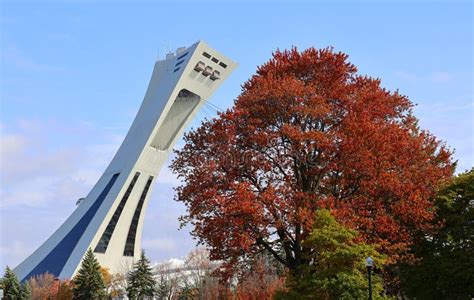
141 283
25 291
163 288
11 285
88 283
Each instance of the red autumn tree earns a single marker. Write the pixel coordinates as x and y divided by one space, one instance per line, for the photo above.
60 290
309 132
260 281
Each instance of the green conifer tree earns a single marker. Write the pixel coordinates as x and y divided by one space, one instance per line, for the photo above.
141 283
88 283
25 291
11 285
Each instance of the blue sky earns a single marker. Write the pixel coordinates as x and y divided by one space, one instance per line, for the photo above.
74 73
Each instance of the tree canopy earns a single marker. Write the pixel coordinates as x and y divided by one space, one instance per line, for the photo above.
308 132
337 269
446 260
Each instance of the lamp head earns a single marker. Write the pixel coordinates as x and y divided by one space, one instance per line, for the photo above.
369 262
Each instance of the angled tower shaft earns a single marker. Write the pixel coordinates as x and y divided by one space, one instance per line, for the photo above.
110 219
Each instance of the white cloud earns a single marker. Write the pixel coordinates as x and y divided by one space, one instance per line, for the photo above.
9 251
20 161
407 76
160 244
440 77
30 164
452 122
166 176
435 77
43 171
14 56
443 107
11 144
46 165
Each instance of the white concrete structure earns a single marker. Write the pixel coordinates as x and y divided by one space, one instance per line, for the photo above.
110 219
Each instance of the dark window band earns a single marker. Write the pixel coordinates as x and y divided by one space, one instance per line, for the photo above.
107 235
132 231
179 62
56 259
182 56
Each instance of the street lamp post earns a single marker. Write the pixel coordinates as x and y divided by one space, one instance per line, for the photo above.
369 263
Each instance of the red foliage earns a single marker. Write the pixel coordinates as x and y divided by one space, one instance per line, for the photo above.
61 289
42 286
259 283
308 132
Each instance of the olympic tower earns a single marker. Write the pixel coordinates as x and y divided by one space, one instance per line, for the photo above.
110 219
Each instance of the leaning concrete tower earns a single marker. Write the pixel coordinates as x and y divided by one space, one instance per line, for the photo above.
110 219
